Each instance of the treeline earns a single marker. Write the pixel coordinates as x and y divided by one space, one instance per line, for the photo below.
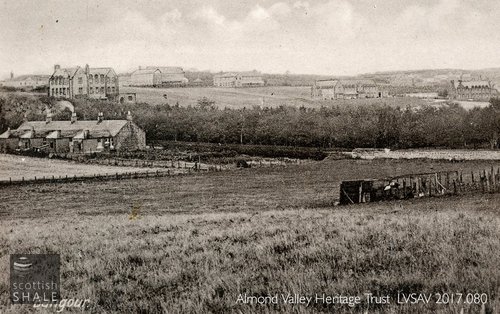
376 126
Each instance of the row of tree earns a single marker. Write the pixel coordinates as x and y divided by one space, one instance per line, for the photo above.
361 126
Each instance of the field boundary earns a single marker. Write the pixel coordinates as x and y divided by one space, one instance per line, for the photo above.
98 177
437 154
419 185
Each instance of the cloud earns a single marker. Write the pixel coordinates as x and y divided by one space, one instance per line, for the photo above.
326 37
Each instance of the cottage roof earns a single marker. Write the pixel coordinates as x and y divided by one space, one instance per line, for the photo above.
28 134
105 128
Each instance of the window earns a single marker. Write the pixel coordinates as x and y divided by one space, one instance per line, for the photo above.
102 90
51 144
113 89
53 92
91 80
96 79
102 78
80 80
91 90
130 98
80 90
109 89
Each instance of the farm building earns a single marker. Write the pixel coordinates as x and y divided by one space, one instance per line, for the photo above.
346 89
158 76
97 83
26 81
238 79
474 90
75 136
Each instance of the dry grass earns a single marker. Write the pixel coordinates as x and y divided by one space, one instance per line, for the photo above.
199 241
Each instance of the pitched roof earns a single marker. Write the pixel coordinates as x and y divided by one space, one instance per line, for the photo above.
145 71
105 128
167 70
66 72
6 134
100 70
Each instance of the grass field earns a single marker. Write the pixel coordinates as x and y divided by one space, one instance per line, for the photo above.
271 96
199 241
18 167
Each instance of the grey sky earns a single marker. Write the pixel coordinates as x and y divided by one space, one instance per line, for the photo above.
334 37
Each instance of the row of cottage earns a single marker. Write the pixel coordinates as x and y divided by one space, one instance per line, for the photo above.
75 136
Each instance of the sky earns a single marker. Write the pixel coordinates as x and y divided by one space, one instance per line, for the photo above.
330 37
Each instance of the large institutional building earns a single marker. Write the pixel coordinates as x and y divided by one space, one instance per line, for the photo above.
238 79
473 90
75 136
346 89
158 76
97 83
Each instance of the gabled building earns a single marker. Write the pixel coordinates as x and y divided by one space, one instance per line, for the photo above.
75 136
472 90
238 79
346 89
158 76
97 83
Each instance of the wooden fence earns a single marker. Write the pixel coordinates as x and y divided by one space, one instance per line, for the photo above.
173 168
420 185
97 177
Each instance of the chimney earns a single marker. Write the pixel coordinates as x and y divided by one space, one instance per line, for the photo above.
73 117
100 117
56 67
11 75
48 118
129 116
87 69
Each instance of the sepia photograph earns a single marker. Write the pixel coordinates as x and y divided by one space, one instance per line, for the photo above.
250 156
